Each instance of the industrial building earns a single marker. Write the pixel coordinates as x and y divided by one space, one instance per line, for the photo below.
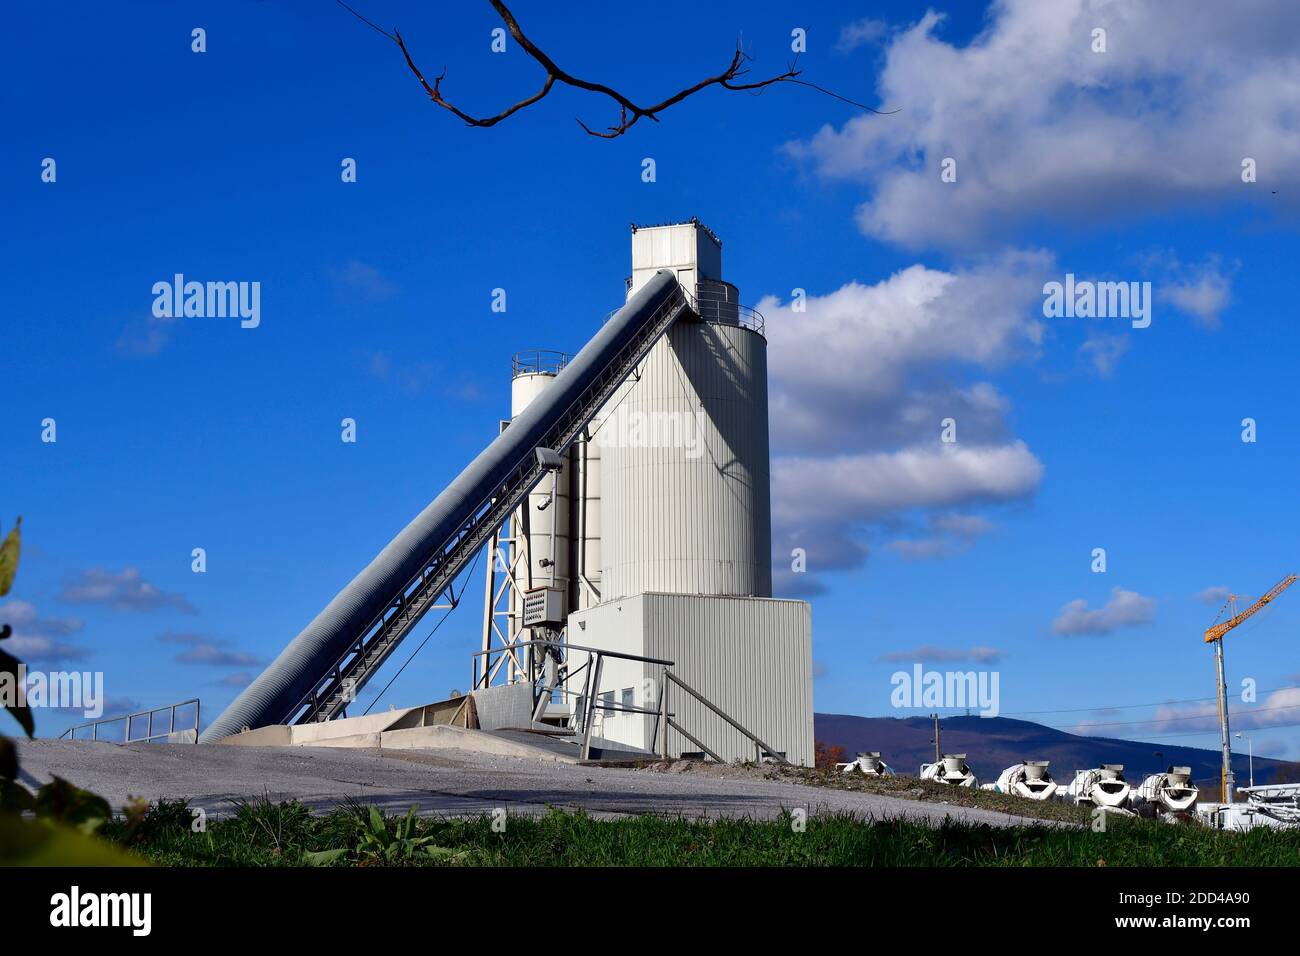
625 508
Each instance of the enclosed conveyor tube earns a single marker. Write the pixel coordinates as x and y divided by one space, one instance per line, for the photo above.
279 691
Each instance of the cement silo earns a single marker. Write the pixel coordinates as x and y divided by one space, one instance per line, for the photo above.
555 541
684 475
682 489
659 526
547 522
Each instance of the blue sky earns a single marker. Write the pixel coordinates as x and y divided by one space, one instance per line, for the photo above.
1073 434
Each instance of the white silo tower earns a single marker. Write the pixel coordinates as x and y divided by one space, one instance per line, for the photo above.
656 531
554 540
685 486
547 520
682 488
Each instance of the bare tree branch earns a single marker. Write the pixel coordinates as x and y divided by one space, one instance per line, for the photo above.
629 112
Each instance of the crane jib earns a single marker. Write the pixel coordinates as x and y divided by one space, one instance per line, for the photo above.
1217 632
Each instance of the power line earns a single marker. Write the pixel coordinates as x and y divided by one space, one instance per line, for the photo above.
1201 733
1170 720
1153 703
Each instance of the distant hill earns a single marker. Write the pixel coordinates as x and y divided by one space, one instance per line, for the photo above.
994 743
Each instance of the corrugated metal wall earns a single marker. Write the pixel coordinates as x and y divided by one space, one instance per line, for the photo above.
752 658
684 480
686 248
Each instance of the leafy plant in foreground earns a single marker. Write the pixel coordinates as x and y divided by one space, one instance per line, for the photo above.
66 817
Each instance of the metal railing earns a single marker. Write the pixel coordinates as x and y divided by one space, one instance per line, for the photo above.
761 749
712 305
589 701
127 738
534 361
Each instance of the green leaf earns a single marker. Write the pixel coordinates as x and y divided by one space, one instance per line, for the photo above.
22 713
9 557
43 843
323 857
67 803
377 825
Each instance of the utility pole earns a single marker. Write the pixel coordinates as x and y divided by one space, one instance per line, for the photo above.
937 756
1250 743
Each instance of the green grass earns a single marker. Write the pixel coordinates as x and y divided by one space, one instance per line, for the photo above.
285 834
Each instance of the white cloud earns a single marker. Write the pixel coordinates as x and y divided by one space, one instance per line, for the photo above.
1215 594
1124 609
860 33
960 524
862 379
125 590
36 639
1104 352
923 549
1044 128
869 365
1203 294
206 650
1280 708
876 485
366 280
949 534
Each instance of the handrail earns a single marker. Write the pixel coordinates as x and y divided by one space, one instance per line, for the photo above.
533 361
713 306
71 732
758 744
591 694
575 647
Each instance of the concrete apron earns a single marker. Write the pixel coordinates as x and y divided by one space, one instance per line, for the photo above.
412 728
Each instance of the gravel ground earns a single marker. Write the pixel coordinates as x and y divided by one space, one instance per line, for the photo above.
903 787
448 782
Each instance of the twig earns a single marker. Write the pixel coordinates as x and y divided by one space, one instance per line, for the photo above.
629 112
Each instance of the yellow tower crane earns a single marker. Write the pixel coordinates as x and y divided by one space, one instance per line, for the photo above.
1214 634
